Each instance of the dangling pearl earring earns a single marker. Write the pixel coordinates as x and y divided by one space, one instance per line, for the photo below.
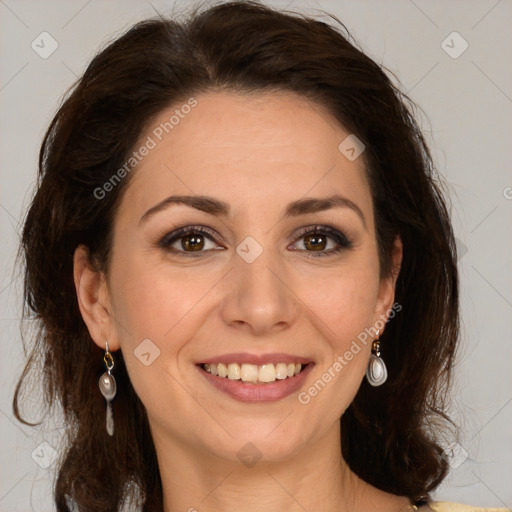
108 388
376 372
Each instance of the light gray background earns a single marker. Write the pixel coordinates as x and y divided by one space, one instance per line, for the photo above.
469 103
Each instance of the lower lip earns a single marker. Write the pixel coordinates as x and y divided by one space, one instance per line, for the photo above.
256 393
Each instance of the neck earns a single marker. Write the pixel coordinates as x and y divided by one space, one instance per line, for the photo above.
313 478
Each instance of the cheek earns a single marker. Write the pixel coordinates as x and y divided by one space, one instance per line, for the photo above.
150 318
158 311
344 304
154 301
346 315
345 300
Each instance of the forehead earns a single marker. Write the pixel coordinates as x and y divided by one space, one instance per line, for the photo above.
244 148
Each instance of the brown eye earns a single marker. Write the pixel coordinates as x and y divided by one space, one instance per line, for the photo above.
322 241
315 242
192 242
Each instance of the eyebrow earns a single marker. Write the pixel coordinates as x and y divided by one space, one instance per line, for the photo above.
221 209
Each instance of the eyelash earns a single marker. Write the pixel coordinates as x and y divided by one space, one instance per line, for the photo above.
342 241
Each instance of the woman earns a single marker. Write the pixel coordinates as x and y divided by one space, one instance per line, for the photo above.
244 274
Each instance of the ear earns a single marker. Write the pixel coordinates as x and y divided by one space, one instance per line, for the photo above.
93 300
387 288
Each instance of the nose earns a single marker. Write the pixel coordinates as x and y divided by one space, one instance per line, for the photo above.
259 295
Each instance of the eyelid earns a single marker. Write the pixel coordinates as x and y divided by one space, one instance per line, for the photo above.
187 230
323 228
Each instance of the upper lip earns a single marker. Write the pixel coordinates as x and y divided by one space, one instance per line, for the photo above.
257 359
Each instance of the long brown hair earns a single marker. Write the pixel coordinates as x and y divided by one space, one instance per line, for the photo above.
243 46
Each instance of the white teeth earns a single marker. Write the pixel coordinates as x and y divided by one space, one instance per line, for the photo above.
234 371
267 373
249 373
222 369
281 372
252 373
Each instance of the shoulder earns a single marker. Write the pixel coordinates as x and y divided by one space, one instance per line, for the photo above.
444 506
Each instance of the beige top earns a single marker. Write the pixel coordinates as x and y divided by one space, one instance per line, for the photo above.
443 506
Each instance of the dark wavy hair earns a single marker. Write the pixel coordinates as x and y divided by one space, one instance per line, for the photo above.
389 434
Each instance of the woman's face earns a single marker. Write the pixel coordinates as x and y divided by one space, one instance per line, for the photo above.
255 288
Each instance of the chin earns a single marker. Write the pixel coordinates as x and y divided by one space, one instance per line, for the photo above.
254 441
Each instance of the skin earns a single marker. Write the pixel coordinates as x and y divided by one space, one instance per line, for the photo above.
257 153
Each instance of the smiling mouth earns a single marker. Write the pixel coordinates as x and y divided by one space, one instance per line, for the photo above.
254 374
